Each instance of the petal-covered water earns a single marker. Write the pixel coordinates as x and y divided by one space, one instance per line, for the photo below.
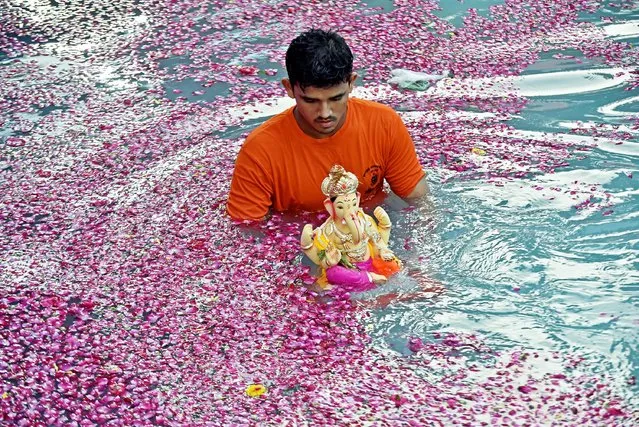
129 298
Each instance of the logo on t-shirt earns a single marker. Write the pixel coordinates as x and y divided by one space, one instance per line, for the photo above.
372 180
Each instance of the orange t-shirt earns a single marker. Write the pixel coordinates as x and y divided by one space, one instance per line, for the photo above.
282 168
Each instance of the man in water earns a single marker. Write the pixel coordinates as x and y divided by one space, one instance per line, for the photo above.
283 162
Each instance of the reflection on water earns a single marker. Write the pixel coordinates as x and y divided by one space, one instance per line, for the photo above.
631 105
567 82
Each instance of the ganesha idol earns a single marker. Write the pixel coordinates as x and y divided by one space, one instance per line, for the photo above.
350 247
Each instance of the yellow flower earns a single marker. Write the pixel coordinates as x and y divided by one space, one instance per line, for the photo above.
478 151
255 390
5 395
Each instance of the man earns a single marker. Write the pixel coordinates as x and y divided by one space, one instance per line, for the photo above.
283 162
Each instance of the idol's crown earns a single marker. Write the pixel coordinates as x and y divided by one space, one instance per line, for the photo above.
339 182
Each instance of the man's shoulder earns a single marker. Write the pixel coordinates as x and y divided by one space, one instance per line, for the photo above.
269 134
368 105
372 109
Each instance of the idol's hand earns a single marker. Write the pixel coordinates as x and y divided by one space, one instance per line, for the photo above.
306 241
386 254
333 255
383 220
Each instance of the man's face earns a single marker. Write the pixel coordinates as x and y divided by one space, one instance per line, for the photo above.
320 112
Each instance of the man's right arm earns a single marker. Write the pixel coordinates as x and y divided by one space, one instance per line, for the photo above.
251 189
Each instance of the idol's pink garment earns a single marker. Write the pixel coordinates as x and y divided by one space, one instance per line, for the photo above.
351 279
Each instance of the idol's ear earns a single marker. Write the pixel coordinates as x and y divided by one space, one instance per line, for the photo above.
330 208
289 87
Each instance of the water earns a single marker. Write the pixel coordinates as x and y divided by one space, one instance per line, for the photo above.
523 267
526 263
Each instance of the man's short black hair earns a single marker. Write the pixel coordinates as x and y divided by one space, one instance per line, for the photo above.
319 58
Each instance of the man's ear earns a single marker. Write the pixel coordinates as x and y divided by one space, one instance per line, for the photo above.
329 207
289 88
351 81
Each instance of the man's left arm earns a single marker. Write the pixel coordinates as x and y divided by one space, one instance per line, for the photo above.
420 190
404 174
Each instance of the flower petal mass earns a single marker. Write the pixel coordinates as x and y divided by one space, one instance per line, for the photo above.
130 298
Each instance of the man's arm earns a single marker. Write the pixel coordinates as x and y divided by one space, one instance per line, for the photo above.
251 190
421 201
404 174
420 190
